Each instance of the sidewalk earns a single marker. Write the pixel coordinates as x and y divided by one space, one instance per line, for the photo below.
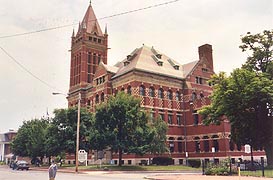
203 177
161 176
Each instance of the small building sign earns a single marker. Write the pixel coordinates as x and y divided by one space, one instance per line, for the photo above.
82 156
247 148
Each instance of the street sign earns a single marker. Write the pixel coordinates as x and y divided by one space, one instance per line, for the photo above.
82 156
247 148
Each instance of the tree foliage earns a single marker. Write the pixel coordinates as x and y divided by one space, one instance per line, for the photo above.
246 96
62 131
30 139
261 48
122 125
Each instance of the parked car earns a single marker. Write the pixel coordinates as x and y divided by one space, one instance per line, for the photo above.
22 165
256 165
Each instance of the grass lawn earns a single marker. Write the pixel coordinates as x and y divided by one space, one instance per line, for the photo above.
268 173
137 168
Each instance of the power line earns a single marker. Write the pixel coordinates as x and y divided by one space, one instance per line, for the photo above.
106 17
28 71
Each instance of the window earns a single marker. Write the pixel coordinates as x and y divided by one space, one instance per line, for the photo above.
129 90
179 144
97 98
170 95
99 40
142 91
178 118
89 78
205 70
193 96
160 93
171 144
215 143
94 58
151 92
206 143
170 119
197 144
89 58
231 145
195 117
198 80
99 58
88 103
102 97
161 116
177 96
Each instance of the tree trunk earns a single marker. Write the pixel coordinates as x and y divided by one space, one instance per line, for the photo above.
269 154
120 157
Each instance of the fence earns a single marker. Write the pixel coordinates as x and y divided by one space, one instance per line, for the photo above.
226 167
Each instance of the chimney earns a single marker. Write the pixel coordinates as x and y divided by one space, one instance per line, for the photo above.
205 53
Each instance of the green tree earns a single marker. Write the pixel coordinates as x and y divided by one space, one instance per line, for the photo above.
61 133
242 98
122 125
246 96
159 138
30 139
261 47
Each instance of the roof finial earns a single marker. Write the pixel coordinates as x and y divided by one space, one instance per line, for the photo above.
90 2
105 31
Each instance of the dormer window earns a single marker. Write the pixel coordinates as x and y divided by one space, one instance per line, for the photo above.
160 63
159 56
176 67
126 63
128 57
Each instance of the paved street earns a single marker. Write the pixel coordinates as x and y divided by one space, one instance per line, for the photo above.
9 174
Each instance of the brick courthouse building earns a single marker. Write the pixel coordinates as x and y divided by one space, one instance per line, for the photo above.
168 89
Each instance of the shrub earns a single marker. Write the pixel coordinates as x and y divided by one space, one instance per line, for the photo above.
195 163
222 168
163 161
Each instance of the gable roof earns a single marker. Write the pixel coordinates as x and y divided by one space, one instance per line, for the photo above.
188 68
148 59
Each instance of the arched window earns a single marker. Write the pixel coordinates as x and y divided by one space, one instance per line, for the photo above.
142 91
179 144
171 144
170 95
215 143
194 96
195 117
97 98
151 92
197 144
231 145
160 93
177 96
102 97
129 90
206 143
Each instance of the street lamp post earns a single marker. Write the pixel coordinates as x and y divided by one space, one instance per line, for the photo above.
78 133
78 129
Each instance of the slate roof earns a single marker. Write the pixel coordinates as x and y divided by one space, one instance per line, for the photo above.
150 60
90 22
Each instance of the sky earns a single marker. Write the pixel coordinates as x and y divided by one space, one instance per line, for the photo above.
176 29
